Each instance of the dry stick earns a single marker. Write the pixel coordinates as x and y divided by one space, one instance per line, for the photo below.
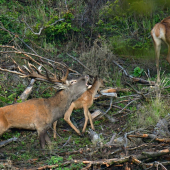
78 61
23 75
80 151
17 37
34 51
26 54
4 143
109 162
129 149
151 136
108 108
66 5
35 55
87 167
136 91
126 106
39 33
118 107
106 162
111 140
22 52
105 113
27 91
66 141
139 80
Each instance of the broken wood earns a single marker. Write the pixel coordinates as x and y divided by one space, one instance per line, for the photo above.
150 136
6 142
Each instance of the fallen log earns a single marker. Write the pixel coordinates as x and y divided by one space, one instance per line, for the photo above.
150 136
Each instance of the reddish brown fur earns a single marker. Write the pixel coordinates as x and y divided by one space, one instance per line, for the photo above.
39 114
85 101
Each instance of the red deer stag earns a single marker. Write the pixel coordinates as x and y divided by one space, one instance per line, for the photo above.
40 114
161 32
85 101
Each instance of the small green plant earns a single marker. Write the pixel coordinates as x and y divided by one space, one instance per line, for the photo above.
76 166
54 160
97 122
138 72
22 142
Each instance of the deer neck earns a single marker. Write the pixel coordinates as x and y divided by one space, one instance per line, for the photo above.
94 88
59 104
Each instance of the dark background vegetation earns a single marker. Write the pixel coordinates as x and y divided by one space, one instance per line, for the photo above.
96 32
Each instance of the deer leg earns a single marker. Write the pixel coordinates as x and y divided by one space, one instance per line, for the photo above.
47 139
157 51
41 135
86 118
91 121
168 56
3 125
67 118
157 44
54 129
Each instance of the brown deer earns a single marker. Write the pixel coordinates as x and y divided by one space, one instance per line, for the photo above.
85 101
161 32
40 114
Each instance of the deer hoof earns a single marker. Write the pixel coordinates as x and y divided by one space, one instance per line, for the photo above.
82 135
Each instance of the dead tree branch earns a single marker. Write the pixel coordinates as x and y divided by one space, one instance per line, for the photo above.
138 80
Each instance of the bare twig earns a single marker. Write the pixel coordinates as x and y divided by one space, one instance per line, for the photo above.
78 61
39 33
139 80
111 140
4 143
151 136
67 141
3 28
126 106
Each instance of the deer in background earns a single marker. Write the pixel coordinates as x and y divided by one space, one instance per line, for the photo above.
161 32
85 101
39 114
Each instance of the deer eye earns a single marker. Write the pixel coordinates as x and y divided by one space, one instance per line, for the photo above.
73 82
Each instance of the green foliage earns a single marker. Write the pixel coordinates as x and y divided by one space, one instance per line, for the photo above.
97 122
76 166
61 29
8 135
9 23
54 160
149 114
9 96
2 1
138 72
127 24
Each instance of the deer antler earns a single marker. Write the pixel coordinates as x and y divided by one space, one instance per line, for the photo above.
31 71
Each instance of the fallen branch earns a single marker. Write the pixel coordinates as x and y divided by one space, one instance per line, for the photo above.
151 136
136 80
125 107
39 33
6 142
